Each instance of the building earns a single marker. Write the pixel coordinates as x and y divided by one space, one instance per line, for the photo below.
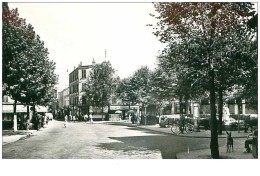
64 98
200 109
21 111
77 85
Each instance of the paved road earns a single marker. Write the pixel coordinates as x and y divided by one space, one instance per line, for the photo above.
100 141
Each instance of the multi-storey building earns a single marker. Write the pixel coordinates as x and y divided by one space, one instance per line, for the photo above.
77 85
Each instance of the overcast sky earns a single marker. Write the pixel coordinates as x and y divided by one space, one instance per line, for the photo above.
75 32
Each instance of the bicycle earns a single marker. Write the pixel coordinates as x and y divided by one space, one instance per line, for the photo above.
189 128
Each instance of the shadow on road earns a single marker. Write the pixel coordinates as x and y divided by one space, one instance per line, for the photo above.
168 145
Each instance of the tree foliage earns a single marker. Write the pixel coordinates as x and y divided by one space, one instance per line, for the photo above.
205 39
28 74
101 83
136 89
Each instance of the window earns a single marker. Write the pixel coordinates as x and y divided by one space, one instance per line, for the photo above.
76 75
83 87
83 73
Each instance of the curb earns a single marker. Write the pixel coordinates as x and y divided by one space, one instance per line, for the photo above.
25 136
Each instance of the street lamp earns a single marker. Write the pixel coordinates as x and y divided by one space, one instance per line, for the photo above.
238 118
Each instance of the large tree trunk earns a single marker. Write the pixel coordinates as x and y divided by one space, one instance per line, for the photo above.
15 117
220 111
213 119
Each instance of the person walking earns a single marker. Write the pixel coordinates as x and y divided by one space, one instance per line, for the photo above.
66 121
91 118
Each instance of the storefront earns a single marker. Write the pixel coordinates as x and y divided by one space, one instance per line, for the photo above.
21 110
121 112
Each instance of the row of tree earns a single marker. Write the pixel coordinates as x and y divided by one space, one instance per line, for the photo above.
211 53
211 48
28 73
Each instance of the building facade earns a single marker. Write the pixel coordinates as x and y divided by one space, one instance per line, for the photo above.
64 98
77 88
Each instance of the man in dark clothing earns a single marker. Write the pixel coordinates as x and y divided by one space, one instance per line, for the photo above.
249 140
35 121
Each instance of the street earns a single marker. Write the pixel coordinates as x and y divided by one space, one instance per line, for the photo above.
100 141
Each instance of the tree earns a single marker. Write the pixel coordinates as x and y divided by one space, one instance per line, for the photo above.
161 88
181 82
207 32
125 92
101 81
250 83
28 75
141 84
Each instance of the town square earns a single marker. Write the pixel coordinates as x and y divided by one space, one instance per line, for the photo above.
161 80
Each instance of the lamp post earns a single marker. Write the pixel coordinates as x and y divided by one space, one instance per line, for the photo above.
196 115
238 117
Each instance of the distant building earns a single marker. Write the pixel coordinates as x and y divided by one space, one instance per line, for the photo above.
77 87
64 98
60 99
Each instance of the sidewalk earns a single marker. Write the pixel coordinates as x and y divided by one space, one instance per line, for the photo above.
239 139
9 136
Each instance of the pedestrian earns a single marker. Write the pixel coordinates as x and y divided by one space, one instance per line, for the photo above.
47 120
249 140
42 121
39 118
91 118
27 123
66 121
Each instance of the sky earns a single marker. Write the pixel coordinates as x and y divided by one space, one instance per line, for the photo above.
79 32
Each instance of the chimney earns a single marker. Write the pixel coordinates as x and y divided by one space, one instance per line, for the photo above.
93 61
80 64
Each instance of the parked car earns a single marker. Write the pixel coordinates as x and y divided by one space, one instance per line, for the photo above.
166 120
232 124
49 115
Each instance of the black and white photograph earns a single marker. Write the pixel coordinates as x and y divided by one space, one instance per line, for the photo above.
130 80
